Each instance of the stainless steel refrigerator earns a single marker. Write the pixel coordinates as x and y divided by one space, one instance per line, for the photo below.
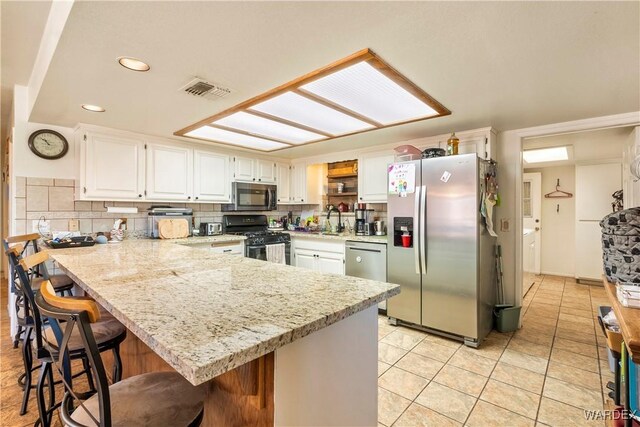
447 272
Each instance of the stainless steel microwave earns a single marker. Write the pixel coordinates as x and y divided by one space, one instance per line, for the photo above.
246 196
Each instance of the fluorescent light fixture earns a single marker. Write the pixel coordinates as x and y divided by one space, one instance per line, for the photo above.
296 108
260 126
366 91
541 155
133 64
233 138
93 108
355 94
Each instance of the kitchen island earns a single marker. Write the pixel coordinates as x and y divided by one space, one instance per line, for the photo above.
272 344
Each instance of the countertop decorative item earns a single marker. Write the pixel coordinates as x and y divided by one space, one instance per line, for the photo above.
48 144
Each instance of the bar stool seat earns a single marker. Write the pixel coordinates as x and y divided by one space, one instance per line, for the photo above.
106 331
60 282
153 399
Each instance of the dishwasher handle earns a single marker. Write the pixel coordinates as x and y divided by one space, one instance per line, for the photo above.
378 251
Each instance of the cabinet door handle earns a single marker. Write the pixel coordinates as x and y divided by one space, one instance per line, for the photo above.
139 195
360 198
197 197
188 197
259 179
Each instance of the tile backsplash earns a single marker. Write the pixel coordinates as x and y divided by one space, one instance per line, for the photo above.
53 200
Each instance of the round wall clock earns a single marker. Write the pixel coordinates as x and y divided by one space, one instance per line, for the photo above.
48 144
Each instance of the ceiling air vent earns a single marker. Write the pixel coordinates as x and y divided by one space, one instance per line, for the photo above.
204 89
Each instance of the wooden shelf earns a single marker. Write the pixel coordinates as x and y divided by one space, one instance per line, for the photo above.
629 319
345 175
345 194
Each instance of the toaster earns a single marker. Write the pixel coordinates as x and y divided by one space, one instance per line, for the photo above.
210 228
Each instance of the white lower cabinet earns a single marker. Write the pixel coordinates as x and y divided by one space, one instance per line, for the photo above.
319 255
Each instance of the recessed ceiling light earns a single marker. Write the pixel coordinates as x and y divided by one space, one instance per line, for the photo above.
541 155
356 94
93 108
133 64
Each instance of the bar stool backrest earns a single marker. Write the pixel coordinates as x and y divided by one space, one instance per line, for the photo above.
64 315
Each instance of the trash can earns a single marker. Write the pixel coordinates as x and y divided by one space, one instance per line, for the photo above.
507 317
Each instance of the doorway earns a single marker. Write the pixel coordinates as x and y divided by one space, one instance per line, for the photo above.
568 184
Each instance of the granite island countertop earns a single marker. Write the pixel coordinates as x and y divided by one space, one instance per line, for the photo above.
206 314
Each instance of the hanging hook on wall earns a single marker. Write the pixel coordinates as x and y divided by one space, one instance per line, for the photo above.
558 208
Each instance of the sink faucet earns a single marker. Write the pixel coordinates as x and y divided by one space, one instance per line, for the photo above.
334 209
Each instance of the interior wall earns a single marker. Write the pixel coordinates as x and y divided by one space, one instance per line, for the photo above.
557 221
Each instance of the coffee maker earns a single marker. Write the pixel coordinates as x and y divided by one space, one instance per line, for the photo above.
364 220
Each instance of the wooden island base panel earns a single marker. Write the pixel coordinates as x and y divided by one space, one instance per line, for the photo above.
241 397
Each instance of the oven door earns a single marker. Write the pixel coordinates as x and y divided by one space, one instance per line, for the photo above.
254 197
260 252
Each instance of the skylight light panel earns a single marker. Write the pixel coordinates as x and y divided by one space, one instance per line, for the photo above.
268 128
363 89
295 108
227 137
542 155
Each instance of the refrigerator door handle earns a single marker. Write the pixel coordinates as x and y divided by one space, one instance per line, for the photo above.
416 230
423 229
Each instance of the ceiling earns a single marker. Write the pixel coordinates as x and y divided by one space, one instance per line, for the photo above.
505 64
599 145
22 25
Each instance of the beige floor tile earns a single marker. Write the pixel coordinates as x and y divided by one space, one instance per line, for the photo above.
382 367
588 321
576 312
543 309
573 375
384 330
545 300
419 416
487 415
524 346
473 363
542 320
555 413
390 406
512 398
579 304
390 353
575 360
577 336
434 351
420 365
526 361
447 401
535 337
572 394
403 383
576 327
489 349
503 337
576 347
518 377
540 329
461 380
443 341
401 339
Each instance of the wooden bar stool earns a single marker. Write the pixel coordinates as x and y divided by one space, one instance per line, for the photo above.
152 399
108 331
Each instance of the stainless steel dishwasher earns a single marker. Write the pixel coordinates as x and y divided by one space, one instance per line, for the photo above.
368 261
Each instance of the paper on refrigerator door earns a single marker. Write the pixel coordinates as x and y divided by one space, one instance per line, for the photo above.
402 178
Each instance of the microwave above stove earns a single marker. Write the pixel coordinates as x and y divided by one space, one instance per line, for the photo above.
247 196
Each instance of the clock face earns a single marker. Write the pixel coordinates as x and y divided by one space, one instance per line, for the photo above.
48 144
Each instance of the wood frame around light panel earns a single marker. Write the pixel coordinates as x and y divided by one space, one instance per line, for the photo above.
365 55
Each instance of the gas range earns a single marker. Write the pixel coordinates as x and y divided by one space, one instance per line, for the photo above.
264 237
258 236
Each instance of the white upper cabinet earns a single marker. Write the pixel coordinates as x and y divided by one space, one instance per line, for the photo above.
169 172
283 180
306 184
265 171
244 168
372 177
111 167
211 177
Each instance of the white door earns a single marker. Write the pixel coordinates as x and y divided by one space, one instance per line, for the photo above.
265 171
169 172
531 219
113 167
305 259
211 177
283 180
330 262
594 186
243 169
372 178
